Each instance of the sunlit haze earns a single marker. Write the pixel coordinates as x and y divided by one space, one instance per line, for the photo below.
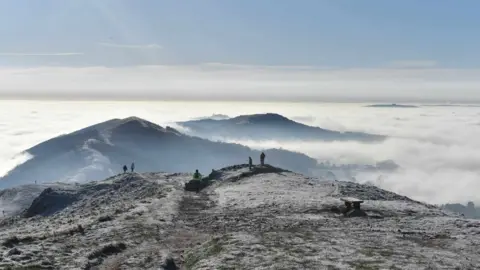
240 50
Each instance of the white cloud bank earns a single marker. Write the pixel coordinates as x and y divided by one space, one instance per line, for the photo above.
221 81
437 147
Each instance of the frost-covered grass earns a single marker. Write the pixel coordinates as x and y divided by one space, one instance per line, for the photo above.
129 210
276 220
288 221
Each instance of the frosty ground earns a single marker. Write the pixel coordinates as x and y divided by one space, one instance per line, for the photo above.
267 218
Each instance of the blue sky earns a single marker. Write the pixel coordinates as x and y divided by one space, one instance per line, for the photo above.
348 49
335 33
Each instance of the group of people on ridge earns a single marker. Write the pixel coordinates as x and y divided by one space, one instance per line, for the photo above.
132 168
197 174
262 161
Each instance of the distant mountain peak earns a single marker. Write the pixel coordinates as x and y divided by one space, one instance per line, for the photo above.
268 126
134 124
214 116
133 118
262 118
137 120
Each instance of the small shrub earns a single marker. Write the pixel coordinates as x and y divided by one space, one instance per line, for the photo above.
14 251
197 185
105 218
107 250
78 229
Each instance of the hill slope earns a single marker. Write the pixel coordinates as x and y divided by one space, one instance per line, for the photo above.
264 219
269 126
100 151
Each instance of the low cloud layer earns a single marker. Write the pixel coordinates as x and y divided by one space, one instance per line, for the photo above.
233 82
437 147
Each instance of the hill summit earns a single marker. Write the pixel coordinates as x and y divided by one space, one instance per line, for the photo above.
266 118
264 218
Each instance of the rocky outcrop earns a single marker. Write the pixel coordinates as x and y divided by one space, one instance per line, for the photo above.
197 185
49 202
169 264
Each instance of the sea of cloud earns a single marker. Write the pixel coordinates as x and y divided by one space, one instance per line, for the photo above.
437 147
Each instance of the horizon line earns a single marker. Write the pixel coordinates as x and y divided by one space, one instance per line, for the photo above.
230 100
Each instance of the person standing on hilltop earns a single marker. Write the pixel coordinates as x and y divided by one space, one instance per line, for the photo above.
197 175
132 167
125 168
262 159
250 163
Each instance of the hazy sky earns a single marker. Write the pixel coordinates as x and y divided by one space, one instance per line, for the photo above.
284 49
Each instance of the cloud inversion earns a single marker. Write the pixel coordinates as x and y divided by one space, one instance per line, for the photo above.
436 147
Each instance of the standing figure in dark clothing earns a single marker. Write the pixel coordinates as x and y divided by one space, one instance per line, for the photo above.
125 168
250 163
262 158
132 167
197 175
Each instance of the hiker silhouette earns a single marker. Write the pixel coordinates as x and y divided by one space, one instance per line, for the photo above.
125 168
196 175
132 167
262 158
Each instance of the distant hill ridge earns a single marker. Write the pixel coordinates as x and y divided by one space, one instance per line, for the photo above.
270 126
393 105
100 150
